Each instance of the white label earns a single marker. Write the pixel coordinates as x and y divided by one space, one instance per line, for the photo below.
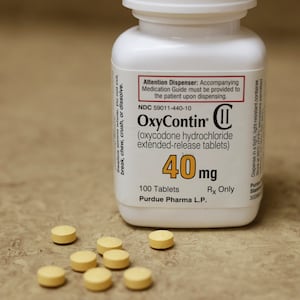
188 140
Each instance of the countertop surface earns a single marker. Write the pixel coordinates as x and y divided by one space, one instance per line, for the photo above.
56 168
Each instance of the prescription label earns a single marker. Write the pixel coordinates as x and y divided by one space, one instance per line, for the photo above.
189 140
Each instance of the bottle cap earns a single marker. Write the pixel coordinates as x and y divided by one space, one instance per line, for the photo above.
190 6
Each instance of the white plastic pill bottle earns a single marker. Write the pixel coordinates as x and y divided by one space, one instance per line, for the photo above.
188 93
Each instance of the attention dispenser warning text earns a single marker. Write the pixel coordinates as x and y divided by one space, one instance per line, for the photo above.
191 88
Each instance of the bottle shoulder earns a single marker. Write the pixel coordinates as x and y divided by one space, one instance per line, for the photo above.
137 50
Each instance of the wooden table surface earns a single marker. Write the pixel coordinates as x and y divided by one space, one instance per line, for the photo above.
56 168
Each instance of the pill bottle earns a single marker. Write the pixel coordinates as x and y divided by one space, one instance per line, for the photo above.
188 97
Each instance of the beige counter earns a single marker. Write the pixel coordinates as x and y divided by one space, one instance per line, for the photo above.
56 167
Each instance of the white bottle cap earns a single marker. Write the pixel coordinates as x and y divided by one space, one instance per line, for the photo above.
190 6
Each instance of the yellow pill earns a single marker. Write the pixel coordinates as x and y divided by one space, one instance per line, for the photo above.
51 276
63 234
108 243
138 278
97 279
83 260
116 259
161 239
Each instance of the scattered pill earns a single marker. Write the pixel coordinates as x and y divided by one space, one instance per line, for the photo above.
108 243
116 259
81 261
138 278
63 234
97 279
161 239
51 276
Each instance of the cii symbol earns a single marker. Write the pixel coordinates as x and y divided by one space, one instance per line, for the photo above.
222 116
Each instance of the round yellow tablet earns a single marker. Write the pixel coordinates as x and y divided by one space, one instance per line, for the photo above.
51 276
97 279
108 243
83 260
161 239
138 278
116 259
63 234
